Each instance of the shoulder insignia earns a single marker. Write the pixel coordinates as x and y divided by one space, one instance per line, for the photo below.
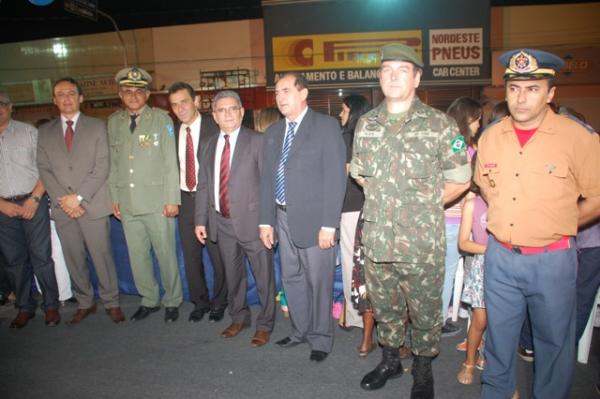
458 144
586 126
115 114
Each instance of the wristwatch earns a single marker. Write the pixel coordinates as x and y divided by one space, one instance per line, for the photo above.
79 198
36 198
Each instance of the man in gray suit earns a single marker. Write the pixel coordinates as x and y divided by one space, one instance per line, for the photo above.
227 199
302 190
73 160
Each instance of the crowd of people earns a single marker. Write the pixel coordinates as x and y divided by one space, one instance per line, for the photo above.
405 188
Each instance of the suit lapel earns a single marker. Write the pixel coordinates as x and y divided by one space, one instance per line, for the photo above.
78 133
302 133
58 137
239 151
177 127
211 149
278 140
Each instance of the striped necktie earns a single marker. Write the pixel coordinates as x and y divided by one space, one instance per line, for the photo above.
224 178
69 135
285 152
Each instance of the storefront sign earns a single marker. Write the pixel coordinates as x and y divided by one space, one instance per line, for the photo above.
340 47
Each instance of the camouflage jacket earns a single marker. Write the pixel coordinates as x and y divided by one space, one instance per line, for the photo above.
405 165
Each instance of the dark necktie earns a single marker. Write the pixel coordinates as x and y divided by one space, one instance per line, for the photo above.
285 151
132 124
69 135
224 179
190 165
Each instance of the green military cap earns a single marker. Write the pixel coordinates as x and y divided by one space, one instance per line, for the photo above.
133 77
400 52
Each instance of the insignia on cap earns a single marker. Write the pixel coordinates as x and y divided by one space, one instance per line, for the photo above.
523 62
134 74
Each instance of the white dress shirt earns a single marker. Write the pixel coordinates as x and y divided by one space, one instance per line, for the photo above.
64 120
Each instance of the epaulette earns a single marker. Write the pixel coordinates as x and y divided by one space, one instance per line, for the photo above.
116 113
489 125
160 110
586 126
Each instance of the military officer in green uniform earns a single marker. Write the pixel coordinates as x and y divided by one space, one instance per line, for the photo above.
410 160
144 185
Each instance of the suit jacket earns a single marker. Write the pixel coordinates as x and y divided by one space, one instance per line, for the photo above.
84 170
315 177
208 129
244 185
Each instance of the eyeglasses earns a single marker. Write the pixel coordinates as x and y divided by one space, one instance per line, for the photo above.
228 110
131 93
4 104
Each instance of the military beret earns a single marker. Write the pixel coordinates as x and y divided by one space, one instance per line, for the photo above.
134 77
530 64
400 52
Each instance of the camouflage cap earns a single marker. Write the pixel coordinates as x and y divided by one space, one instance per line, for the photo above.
400 52
133 77
530 64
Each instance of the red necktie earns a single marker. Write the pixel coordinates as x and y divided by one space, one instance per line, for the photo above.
224 179
190 165
69 135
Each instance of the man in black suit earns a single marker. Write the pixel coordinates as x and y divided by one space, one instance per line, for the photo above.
192 130
228 195
302 190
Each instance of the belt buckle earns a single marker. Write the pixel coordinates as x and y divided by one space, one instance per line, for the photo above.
517 250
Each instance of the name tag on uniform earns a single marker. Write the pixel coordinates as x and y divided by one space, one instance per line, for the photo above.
421 134
371 130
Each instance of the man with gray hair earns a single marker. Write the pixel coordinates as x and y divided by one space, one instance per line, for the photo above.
227 199
24 218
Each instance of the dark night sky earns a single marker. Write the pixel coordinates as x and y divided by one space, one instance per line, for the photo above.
20 20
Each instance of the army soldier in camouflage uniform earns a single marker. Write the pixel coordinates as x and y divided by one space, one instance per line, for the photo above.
410 160
144 185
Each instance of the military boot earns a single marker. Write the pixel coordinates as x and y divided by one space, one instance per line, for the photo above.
422 378
389 367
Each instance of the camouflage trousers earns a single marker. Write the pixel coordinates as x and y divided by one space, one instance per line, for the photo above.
406 293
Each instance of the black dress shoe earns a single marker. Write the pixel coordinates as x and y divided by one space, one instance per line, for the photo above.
287 343
171 314
318 356
216 314
143 312
197 315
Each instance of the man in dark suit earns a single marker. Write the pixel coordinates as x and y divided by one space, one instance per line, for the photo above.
302 191
73 161
184 103
228 195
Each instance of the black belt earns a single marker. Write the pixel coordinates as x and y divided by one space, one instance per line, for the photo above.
282 207
190 193
17 198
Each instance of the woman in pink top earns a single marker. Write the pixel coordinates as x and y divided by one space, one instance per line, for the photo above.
472 238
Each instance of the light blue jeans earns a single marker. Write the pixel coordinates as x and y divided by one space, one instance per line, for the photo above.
451 263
